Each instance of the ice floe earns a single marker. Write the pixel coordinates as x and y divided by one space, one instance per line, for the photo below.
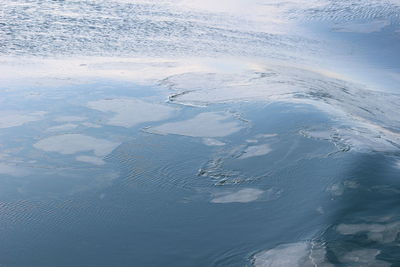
363 258
301 254
129 112
91 125
12 170
208 124
11 119
242 196
69 118
382 233
311 254
366 27
212 142
397 164
74 143
62 127
90 159
255 151
336 189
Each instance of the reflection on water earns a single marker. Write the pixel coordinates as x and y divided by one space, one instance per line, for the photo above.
195 133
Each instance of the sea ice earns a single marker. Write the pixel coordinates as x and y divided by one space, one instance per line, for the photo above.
91 125
363 258
241 196
11 170
366 27
62 127
11 119
130 112
212 142
90 159
302 254
255 151
69 118
382 233
208 124
73 143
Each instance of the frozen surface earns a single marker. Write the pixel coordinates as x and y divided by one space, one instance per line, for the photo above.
366 27
12 119
74 143
212 142
62 127
12 169
208 124
383 233
255 151
130 112
241 196
70 119
90 159
302 254
294 110
364 257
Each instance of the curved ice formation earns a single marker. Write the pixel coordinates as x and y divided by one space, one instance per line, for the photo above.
369 119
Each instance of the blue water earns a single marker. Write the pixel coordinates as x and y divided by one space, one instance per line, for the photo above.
191 133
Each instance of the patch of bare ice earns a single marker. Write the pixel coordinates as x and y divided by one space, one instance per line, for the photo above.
208 124
90 159
212 142
12 170
69 118
255 151
363 258
62 127
301 254
74 143
129 112
242 196
382 233
12 118
366 27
